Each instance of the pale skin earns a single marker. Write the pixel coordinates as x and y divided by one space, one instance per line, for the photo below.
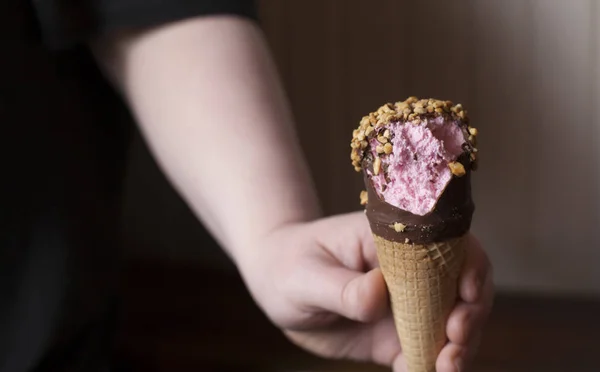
208 101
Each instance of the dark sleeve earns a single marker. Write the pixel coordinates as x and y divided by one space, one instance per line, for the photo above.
65 23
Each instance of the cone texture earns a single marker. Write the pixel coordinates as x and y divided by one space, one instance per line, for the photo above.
422 282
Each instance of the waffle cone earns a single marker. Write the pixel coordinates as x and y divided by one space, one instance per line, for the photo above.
422 282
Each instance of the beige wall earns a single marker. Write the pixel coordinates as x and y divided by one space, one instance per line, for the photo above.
527 70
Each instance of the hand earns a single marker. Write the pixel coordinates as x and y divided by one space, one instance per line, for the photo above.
321 284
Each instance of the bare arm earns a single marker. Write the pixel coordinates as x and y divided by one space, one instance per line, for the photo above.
208 101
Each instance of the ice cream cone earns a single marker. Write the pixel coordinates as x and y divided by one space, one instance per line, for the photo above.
417 157
422 283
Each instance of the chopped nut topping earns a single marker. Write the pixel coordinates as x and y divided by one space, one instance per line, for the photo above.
364 197
388 107
412 109
457 169
377 166
401 106
399 227
407 241
388 148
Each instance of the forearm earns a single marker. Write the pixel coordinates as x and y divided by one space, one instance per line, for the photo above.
207 98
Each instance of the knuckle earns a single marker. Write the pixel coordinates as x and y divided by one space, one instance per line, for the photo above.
358 305
461 325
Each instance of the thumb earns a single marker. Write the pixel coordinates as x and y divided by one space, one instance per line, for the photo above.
357 296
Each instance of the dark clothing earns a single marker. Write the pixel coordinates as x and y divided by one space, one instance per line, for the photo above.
64 135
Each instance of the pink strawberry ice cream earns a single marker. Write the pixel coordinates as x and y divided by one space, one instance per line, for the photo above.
417 170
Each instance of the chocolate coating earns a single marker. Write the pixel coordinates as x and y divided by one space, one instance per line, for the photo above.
450 218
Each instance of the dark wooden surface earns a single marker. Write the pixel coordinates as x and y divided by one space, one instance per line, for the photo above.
182 318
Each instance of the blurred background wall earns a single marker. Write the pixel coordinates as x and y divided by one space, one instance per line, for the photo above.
527 71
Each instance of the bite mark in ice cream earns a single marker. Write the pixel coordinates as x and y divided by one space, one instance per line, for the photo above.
417 170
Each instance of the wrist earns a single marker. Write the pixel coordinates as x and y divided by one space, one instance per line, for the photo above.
258 249
266 264
249 247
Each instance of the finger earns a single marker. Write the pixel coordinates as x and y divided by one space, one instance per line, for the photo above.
458 358
349 239
368 248
369 251
356 296
477 269
376 342
465 321
385 346
400 364
452 358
